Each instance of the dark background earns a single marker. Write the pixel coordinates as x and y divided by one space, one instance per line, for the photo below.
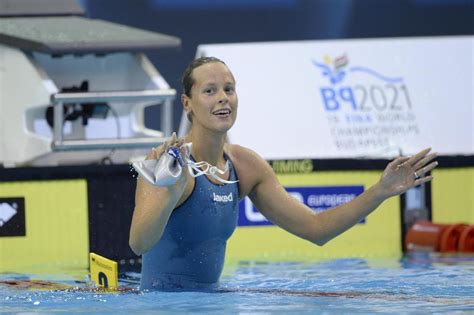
229 21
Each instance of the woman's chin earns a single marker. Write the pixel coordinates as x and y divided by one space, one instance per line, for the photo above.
219 126
223 127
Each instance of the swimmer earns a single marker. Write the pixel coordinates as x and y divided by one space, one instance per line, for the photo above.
181 230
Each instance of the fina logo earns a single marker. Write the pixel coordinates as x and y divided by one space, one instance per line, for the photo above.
7 212
376 92
336 70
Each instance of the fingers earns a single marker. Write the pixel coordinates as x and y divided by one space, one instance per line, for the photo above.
425 160
168 143
422 167
430 166
156 152
159 150
400 161
422 180
172 140
425 169
417 157
180 142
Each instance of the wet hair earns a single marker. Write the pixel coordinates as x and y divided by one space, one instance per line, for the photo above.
187 81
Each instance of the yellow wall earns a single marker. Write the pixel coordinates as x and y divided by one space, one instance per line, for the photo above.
380 236
57 222
452 195
57 233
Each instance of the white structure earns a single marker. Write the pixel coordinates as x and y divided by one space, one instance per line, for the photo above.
45 62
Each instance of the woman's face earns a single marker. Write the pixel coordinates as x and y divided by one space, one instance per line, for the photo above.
213 102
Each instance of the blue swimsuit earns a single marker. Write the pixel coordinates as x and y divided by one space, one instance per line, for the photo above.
190 253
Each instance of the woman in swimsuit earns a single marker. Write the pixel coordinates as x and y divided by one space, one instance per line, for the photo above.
181 230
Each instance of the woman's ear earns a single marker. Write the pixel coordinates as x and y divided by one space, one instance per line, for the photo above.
185 101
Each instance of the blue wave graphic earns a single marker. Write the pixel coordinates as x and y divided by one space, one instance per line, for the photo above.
334 76
376 74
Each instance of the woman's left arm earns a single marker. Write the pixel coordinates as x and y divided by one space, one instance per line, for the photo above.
278 206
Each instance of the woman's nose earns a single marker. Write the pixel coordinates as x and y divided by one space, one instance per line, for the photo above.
223 97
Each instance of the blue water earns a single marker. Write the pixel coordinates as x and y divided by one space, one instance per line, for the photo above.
417 283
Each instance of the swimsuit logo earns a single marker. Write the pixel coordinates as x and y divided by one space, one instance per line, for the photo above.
222 198
12 217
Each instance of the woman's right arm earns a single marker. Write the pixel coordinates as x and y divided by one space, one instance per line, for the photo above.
153 207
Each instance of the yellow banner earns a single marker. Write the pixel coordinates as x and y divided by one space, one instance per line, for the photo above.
378 237
56 228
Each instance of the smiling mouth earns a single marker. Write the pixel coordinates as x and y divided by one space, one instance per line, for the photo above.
222 112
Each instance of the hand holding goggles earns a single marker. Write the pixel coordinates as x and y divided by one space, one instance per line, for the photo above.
168 168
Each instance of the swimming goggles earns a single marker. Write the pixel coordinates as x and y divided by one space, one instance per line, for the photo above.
168 168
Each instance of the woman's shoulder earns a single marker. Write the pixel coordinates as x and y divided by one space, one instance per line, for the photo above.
248 165
247 160
241 154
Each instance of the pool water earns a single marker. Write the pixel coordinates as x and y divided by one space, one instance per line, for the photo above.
421 282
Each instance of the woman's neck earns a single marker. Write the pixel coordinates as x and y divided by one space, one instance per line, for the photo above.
207 146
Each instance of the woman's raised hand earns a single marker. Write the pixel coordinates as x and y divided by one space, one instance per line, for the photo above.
404 173
159 150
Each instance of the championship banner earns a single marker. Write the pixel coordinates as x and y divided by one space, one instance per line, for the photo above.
364 98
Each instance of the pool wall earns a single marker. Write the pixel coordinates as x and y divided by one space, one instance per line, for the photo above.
453 195
64 212
51 224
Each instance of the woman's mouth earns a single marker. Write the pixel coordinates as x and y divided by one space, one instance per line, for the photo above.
222 112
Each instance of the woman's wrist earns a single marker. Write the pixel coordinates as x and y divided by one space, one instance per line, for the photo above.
379 194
